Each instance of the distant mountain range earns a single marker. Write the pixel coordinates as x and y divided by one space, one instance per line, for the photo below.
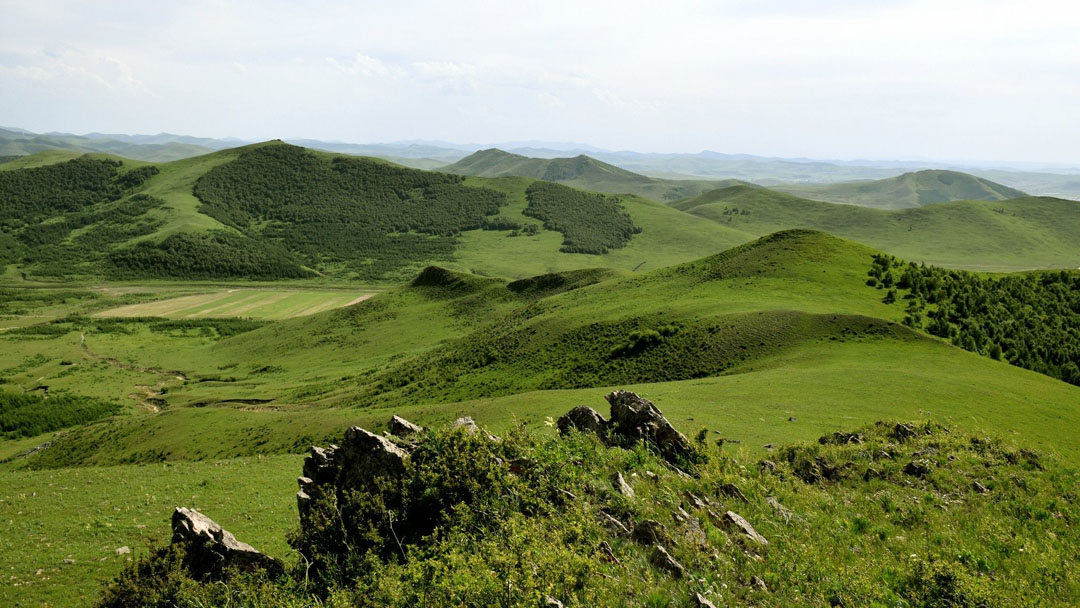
1036 178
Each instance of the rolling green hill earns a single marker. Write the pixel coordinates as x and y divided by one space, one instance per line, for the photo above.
15 143
580 172
914 189
272 211
1016 234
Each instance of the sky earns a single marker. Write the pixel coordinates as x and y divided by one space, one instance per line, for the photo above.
839 79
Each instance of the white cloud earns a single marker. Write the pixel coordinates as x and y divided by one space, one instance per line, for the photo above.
836 78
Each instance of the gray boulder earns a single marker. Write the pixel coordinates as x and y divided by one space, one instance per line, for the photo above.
364 457
583 419
210 549
734 520
633 418
403 428
663 561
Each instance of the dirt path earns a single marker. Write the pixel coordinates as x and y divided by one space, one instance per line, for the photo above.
145 396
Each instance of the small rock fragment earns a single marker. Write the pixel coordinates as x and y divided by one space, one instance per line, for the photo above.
700 601
651 532
663 560
608 554
918 468
758 583
403 428
980 488
621 485
123 550
732 491
613 524
734 519
551 602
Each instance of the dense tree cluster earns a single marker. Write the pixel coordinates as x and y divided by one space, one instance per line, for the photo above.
589 223
27 415
209 255
1031 320
40 208
362 212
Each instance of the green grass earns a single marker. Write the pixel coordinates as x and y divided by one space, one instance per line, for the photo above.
85 514
908 190
252 303
1010 235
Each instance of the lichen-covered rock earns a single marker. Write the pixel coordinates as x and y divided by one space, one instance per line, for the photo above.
583 419
663 561
210 548
633 418
733 519
364 457
400 427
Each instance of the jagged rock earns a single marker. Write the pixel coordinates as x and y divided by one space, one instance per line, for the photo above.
768 447
403 428
735 520
210 548
700 601
608 554
731 490
320 466
635 418
758 583
620 484
839 438
663 560
695 502
767 466
582 418
980 488
616 526
551 602
781 510
791 419
304 496
467 423
918 468
903 432
651 532
364 457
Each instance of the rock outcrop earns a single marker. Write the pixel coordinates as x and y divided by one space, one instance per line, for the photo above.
633 419
733 519
210 549
400 427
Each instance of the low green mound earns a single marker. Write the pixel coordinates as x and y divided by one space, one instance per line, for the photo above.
1015 234
889 515
589 223
909 190
558 282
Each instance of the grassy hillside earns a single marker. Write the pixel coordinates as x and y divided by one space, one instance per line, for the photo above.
234 214
908 190
977 235
794 306
773 342
579 172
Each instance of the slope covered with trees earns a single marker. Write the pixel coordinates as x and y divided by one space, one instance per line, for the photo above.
589 223
370 216
1030 320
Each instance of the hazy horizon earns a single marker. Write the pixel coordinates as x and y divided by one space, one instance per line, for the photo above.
954 81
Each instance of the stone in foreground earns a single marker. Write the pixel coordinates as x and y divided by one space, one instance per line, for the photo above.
211 548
